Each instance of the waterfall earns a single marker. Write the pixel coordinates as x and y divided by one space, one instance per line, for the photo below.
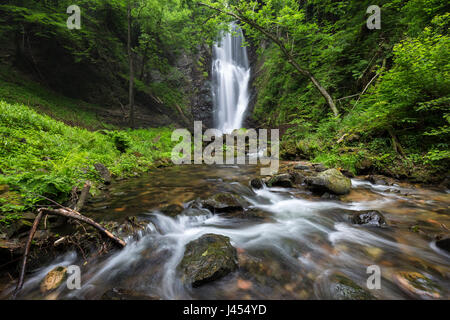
231 77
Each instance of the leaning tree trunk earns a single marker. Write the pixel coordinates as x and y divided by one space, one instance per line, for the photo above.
130 60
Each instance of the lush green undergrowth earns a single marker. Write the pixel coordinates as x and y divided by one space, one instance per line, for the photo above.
42 156
15 88
393 98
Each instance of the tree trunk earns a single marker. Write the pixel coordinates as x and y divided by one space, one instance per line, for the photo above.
144 61
130 60
395 143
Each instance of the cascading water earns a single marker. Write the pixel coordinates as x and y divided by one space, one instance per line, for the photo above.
290 252
231 77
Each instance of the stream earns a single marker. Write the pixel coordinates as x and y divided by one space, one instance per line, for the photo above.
289 255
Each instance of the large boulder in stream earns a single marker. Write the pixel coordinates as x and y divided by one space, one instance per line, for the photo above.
206 259
332 181
224 202
281 180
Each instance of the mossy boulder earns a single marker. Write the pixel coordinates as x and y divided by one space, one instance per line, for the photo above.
332 181
345 289
369 217
224 202
54 279
417 285
281 180
206 259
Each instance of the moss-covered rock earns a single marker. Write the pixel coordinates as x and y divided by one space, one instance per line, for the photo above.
54 279
332 181
206 259
417 285
224 202
345 289
281 180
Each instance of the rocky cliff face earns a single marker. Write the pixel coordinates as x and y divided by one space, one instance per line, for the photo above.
255 66
202 100
197 71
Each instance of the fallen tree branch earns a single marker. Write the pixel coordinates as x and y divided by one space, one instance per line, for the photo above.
27 251
68 213
78 216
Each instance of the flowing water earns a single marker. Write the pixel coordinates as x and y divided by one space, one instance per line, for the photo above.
290 255
231 77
